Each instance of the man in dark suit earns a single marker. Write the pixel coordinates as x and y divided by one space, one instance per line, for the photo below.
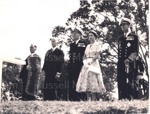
53 63
127 47
76 53
30 74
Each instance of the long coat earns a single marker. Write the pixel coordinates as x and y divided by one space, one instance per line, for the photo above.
126 46
53 63
30 77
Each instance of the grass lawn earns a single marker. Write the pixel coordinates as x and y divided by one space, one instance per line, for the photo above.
64 107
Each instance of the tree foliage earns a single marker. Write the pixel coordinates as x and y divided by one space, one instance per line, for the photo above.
104 17
11 84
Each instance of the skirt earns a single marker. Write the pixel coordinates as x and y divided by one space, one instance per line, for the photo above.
90 81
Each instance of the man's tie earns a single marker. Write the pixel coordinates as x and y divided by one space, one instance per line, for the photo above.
52 50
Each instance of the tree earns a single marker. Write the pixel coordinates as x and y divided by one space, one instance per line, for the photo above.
104 17
58 30
11 85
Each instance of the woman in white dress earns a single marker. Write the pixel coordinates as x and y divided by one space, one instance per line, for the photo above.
90 79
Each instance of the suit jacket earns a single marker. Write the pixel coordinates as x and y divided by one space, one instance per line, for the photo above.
127 46
76 53
54 61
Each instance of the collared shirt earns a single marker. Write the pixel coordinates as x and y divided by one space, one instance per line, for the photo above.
77 41
53 48
32 54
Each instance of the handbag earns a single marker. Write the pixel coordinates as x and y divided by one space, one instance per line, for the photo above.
94 69
93 66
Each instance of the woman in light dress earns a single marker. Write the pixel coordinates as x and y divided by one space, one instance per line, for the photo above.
90 79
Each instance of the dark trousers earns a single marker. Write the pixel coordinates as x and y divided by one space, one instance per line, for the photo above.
83 96
53 89
132 92
53 93
122 82
73 78
127 88
49 94
61 91
73 95
49 88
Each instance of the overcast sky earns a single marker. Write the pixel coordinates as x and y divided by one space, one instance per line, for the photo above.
23 22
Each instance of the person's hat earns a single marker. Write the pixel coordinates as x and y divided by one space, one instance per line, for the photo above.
94 32
79 30
125 21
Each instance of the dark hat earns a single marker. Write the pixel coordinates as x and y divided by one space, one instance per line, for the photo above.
94 32
125 21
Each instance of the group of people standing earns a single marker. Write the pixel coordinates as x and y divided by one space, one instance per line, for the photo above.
85 75
84 69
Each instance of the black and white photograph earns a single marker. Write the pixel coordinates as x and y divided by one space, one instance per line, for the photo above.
74 56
